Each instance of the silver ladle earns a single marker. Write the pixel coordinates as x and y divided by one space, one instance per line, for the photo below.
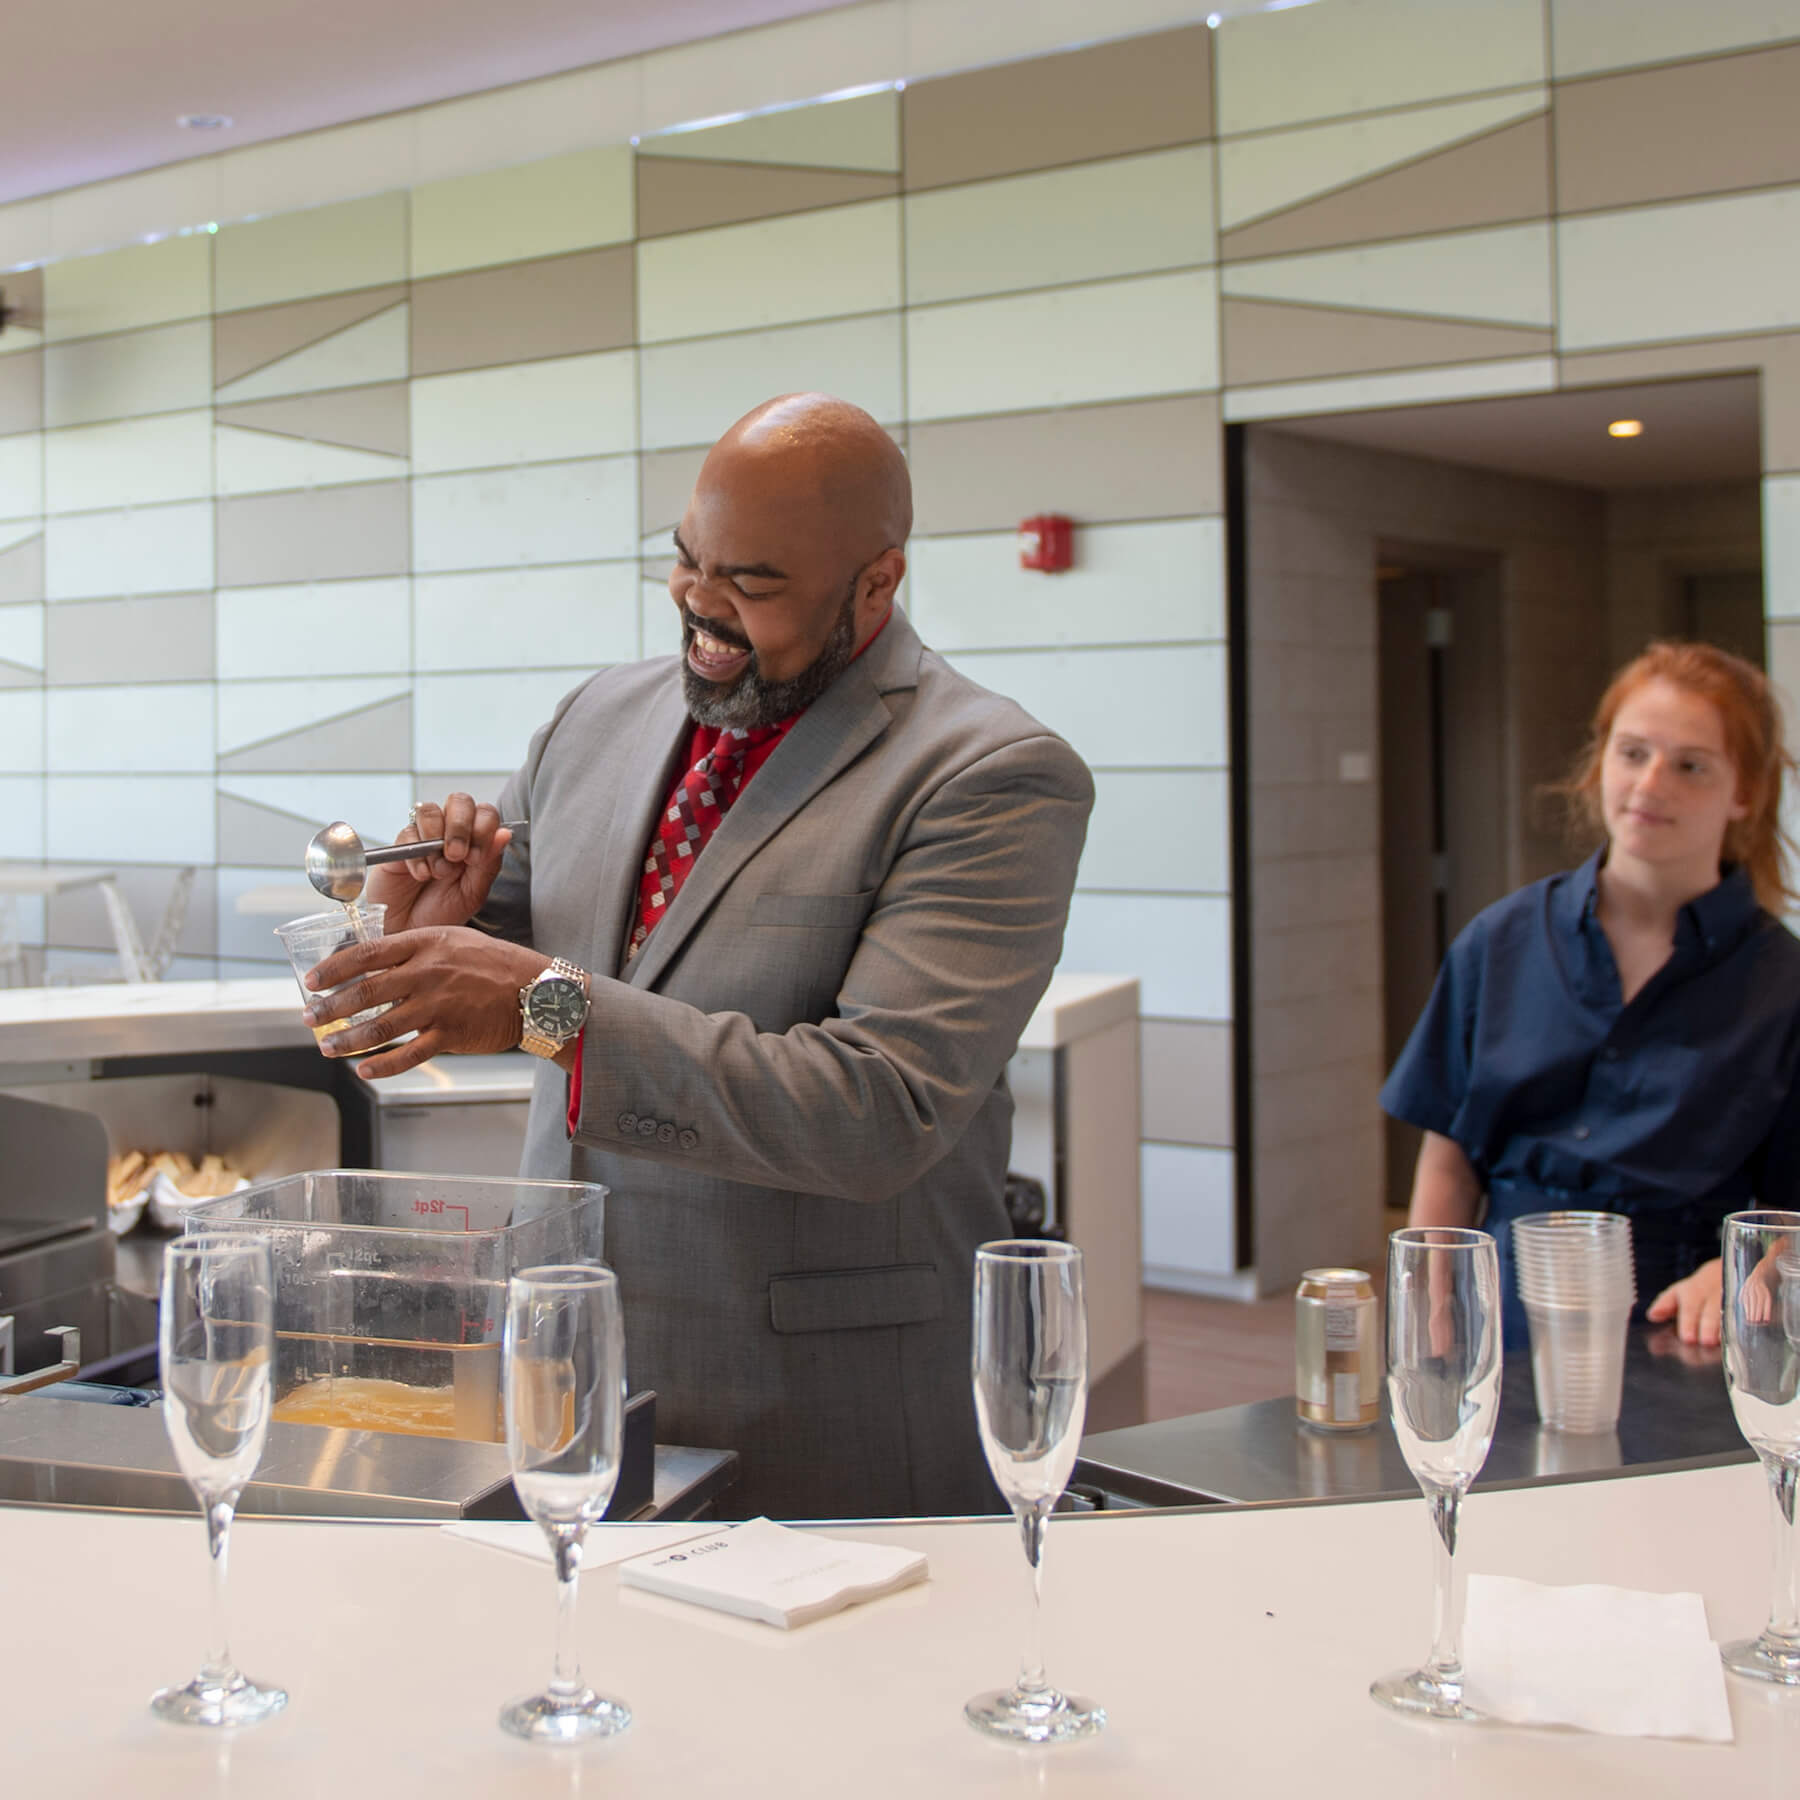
337 864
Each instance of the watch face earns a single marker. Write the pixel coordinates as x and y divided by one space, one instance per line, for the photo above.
556 1006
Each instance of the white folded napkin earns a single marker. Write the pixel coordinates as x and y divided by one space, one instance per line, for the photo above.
1604 1659
761 1570
603 1544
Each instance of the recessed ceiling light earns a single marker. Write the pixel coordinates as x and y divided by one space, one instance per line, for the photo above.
204 121
1625 428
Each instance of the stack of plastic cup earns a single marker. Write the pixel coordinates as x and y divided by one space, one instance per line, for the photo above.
1575 1277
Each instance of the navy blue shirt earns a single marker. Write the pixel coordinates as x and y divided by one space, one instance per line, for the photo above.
1682 1104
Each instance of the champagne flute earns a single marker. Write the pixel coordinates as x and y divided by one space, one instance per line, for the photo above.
1762 1372
1029 1366
1444 1389
217 1332
565 1427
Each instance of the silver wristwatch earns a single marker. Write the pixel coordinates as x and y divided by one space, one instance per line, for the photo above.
553 1007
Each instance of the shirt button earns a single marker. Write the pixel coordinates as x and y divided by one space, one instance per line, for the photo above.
627 1123
646 1128
665 1134
690 1140
1581 1131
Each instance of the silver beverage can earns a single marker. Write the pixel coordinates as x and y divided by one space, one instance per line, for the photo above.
1337 1351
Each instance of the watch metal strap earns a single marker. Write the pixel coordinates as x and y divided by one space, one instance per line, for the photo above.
535 1042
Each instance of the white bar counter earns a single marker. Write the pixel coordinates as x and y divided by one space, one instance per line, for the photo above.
158 1018
1233 1651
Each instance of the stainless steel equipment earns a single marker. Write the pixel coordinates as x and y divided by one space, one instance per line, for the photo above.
56 1253
336 862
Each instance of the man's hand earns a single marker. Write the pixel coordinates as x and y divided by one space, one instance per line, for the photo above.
1693 1304
448 887
458 989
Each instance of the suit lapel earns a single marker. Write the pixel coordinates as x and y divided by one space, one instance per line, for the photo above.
832 733
649 772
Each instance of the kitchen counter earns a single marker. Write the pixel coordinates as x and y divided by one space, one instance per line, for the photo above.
1232 1649
1675 1414
161 1018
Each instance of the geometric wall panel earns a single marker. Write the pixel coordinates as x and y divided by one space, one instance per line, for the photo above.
21 386
21 566
1320 62
252 712
162 370
247 341
301 536
817 265
368 738
677 195
257 639
149 284
260 462
165 637
373 349
1120 217
1138 459
324 250
1278 341
558 512
1663 134
557 306
363 418
136 462
1587 35
1139 94
1492 179
1501 275
1273 172
860 133
252 834
1738 270
141 550
526 412
21 646
21 475
535 209
665 484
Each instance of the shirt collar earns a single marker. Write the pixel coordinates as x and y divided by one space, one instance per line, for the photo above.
1711 920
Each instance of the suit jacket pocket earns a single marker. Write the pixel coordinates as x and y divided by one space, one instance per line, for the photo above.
850 1299
820 912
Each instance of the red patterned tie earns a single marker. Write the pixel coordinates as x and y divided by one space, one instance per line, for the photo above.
701 800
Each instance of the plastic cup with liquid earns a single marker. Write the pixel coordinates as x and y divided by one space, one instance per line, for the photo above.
310 940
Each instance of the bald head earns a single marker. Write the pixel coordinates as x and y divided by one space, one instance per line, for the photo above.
817 457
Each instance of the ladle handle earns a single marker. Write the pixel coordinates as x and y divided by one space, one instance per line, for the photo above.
406 852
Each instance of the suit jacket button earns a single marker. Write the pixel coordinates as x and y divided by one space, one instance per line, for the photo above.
627 1124
646 1128
665 1134
690 1140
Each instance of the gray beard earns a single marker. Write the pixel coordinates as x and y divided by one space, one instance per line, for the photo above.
750 700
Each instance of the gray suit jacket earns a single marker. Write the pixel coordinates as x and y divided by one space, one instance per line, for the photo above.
796 1092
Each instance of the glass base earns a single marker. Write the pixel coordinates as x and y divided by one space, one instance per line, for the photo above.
1046 1717
1422 1694
214 1700
1763 1658
573 1718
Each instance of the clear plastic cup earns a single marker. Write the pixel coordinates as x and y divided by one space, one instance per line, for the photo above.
1578 1365
310 940
1576 1279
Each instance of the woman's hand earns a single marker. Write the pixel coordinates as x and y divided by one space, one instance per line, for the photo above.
450 886
1693 1304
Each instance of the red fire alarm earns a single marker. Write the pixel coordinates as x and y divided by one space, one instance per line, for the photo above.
1047 542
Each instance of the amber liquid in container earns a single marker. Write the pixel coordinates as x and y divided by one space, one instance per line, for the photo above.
1337 1350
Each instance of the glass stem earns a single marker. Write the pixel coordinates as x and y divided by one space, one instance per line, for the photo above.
1784 1608
1032 1681
218 1543
1447 1592
566 1541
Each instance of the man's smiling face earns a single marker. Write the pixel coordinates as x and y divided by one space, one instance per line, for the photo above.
787 558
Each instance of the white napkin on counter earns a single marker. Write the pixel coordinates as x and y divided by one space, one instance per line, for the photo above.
603 1544
1604 1659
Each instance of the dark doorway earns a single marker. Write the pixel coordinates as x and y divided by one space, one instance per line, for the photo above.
1443 790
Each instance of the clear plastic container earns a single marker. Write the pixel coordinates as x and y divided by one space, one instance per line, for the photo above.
390 1290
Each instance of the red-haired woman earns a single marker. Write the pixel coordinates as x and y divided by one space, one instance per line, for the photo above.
1626 1036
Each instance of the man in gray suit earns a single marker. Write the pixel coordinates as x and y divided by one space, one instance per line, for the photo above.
802 887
